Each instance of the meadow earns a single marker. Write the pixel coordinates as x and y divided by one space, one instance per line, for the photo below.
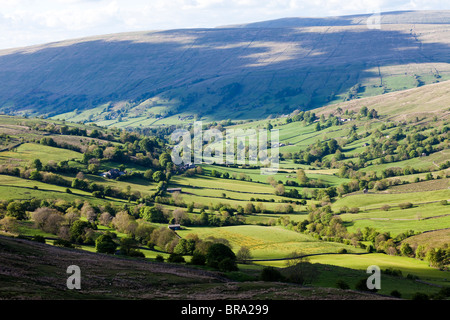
271 236
268 242
27 152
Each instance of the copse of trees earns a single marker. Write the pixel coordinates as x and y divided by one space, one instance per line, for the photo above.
317 151
324 224
220 256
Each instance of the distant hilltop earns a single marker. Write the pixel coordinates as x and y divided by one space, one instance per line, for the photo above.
248 71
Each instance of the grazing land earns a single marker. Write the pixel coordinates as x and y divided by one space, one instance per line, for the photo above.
363 177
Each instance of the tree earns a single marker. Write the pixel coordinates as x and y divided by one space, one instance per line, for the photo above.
299 269
105 244
271 274
128 247
279 189
37 164
361 285
249 208
158 176
341 284
8 224
148 174
164 159
435 257
406 250
244 254
77 231
143 232
88 212
318 127
185 247
123 222
364 110
217 253
301 177
198 259
153 214
105 219
35 175
17 210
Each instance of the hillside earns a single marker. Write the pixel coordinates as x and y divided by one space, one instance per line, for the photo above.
131 279
237 72
424 102
52 186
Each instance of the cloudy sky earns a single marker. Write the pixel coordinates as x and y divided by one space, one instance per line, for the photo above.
28 22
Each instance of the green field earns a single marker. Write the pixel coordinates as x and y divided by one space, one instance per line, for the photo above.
388 283
13 188
268 242
27 152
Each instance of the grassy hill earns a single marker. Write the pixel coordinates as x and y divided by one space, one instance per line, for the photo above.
240 209
131 279
252 72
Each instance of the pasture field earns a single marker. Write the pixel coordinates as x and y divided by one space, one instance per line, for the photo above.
395 227
27 152
421 212
343 267
352 268
429 162
375 200
406 265
433 238
430 185
268 242
14 188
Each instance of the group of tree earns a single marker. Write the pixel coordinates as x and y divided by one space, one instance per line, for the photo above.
324 224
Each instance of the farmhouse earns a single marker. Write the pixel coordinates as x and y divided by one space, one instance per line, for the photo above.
112 174
174 226
188 166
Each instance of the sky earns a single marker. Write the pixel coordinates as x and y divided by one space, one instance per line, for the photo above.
29 22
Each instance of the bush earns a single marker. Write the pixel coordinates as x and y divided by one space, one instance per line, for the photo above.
420 296
393 272
444 292
341 284
135 253
342 251
227 264
159 258
396 294
63 243
411 277
361 285
353 210
271 274
198 259
38 238
405 205
105 244
218 252
444 202
176 258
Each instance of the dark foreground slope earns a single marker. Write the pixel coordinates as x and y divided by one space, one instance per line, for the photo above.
238 72
30 270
